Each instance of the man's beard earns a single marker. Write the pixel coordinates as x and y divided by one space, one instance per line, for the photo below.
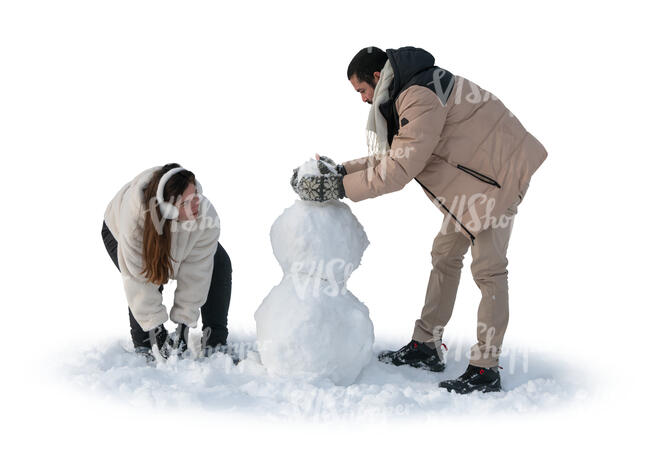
373 84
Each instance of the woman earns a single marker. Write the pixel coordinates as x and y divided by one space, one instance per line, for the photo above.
159 227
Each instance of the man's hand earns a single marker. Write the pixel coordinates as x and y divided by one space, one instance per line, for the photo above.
327 166
320 188
327 186
294 180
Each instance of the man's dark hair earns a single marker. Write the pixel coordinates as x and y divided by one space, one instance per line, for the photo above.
365 63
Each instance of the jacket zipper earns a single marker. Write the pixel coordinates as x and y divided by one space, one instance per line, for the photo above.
479 176
472 237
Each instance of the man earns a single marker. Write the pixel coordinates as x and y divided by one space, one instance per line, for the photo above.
473 159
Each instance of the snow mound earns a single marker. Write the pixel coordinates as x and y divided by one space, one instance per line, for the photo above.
381 391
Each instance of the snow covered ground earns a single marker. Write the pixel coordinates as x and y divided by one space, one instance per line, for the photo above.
532 381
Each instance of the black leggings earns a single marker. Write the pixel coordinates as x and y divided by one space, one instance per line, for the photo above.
214 312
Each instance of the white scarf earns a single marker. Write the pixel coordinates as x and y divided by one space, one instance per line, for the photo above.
377 129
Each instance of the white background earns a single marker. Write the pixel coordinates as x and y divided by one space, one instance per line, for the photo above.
92 93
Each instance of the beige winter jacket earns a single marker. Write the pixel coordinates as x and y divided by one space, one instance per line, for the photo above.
193 247
472 155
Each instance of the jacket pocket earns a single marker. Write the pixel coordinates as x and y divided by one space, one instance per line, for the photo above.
479 176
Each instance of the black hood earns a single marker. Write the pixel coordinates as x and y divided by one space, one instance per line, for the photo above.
407 62
413 66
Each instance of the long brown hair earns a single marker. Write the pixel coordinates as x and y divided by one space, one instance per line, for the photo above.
157 236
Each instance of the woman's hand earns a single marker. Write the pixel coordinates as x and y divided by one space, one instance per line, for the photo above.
176 342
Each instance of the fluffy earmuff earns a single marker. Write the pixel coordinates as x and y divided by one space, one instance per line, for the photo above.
168 210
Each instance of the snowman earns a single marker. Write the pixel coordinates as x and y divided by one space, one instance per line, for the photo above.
310 325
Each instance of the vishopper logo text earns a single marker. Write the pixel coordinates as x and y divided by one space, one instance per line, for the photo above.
472 96
202 223
513 359
321 277
462 204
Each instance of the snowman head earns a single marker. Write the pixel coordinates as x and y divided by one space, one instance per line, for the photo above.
322 240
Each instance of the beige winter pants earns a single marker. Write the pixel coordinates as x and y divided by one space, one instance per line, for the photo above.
489 269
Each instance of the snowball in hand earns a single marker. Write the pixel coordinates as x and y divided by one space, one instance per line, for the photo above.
309 168
310 325
315 168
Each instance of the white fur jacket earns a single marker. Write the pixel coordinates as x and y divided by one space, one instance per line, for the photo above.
193 246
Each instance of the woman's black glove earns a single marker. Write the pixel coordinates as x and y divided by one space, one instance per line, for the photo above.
157 336
176 342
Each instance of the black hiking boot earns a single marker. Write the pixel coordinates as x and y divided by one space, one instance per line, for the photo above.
146 353
142 343
415 354
485 379
214 342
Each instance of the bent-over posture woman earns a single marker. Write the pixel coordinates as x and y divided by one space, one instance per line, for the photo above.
159 227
